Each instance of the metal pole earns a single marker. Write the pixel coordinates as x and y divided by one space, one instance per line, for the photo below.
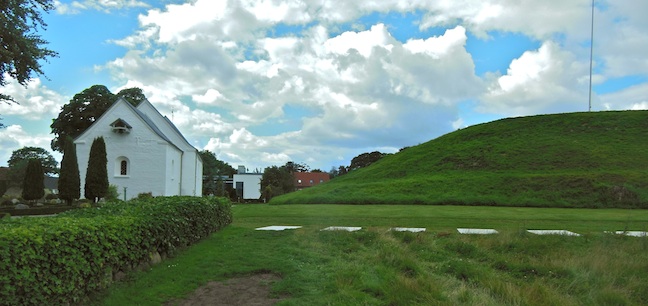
591 57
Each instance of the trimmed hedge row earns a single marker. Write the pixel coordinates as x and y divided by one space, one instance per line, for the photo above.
63 259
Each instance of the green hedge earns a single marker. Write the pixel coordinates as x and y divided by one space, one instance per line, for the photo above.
63 259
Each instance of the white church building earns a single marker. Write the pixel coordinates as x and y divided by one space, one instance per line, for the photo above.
145 152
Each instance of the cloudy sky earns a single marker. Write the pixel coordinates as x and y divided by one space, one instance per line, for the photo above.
262 82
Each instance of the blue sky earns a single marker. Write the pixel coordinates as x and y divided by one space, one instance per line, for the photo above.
260 83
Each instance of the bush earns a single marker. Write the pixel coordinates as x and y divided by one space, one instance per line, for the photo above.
60 260
51 196
145 195
113 194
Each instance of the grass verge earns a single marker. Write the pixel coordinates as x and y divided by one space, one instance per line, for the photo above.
437 267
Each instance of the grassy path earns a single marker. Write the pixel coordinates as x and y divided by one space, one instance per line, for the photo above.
438 267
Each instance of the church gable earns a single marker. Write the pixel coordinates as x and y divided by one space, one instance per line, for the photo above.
165 125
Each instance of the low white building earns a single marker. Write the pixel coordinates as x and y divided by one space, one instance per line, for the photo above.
247 185
145 152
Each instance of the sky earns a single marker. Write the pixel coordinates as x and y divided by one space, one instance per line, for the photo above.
318 82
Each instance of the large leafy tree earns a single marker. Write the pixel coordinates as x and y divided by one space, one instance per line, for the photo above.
33 187
85 108
21 49
96 180
69 183
19 159
49 164
276 181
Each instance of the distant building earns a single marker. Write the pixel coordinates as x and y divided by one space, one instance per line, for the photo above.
247 185
309 179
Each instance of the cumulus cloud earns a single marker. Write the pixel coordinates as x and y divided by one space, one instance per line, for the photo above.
34 101
107 6
14 137
631 98
545 80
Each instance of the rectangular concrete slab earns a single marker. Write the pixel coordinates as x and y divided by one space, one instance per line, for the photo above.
342 228
632 233
408 229
277 228
553 232
476 231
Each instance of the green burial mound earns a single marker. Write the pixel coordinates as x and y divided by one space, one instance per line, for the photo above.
594 159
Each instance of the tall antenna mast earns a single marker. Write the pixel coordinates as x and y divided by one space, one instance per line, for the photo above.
591 57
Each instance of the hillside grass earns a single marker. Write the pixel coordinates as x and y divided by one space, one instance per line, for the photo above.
439 267
590 160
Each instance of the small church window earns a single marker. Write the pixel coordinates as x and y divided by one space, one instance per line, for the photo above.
124 167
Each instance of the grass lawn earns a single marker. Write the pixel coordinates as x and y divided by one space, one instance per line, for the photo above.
437 267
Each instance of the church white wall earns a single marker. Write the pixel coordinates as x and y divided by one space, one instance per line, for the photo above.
173 162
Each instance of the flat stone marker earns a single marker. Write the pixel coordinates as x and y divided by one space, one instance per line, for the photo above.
477 231
277 228
408 229
553 232
342 228
632 233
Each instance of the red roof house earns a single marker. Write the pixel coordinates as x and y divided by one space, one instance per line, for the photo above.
309 179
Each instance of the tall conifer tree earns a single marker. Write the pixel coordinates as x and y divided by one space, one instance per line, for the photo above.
33 183
96 181
69 183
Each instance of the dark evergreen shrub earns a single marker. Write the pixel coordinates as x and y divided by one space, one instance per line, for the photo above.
33 183
69 183
96 181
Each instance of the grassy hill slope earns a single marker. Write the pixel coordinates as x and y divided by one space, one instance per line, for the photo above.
597 159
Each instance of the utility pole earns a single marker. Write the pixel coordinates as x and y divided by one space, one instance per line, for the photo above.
591 58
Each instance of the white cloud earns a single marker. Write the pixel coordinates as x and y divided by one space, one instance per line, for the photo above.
544 81
14 137
634 98
362 42
107 6
34 101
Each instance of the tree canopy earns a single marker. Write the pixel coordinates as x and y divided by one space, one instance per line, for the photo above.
276 181
21 156
213 169
21 49
85 108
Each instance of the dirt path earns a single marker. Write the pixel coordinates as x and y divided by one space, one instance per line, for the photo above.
248 290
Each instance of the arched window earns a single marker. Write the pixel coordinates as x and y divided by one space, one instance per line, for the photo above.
122 166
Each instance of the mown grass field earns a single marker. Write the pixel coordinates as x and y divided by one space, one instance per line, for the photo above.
438 267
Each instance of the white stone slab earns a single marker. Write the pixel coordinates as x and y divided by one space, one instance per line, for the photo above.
277 228
408 229
553 232
342 228
477 231
632 233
